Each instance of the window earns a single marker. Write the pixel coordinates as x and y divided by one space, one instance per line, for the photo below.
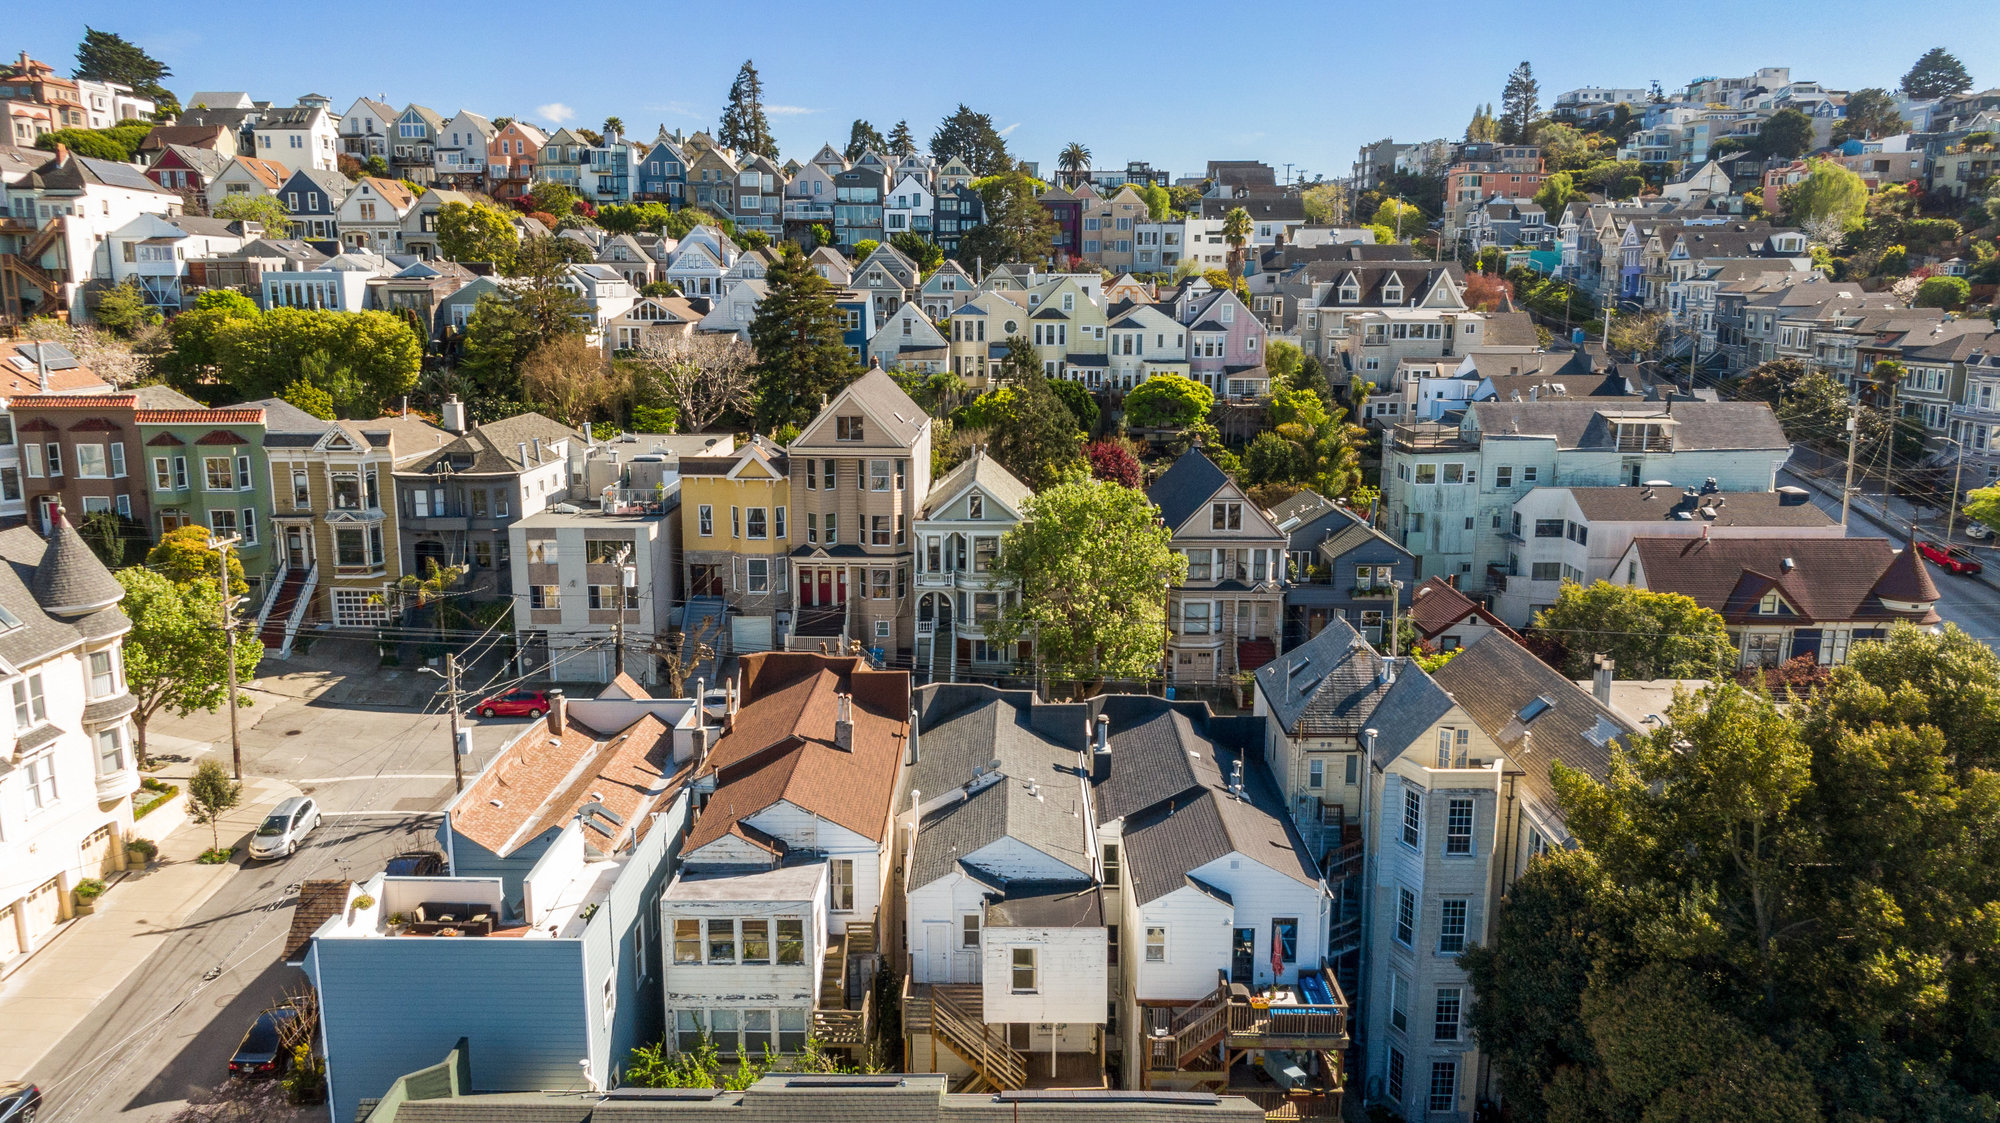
1353 768
1406 917
721 941
843 885
705 517
879 530
29 706
878 475
1194 618
1451 926
1413 817
1111 867
542 596
849 429
1545 571
832 528
118 461
1225 516
1111 945
1285 934
791 941
1156 945
249 525
103 674
778 522
1528 475
812 475
90 462
222 523
1458 827
968 930
1395 1074
1199 562
756 942
301 493
1399 1001
756 519
41 787
1444 1085
1427 473
242 468
1315 774
1503 476
975 506
690 1027
1548 528
736 522
1024 971
34 456
1445 1023
687 942
826 474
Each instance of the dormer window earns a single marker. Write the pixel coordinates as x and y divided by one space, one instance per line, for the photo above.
1392 292
975 506
849 429
1350 293
1769 605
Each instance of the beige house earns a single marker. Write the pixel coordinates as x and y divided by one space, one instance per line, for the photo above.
1225 616
859 475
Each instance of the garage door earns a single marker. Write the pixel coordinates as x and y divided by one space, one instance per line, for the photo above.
750 633
44 910
10 934
96 850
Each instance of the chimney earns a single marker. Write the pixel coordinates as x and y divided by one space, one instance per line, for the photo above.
558 712
406 407
522 448
62 153
1600 679
1389 671
1103 734
913 737
42 364
453 414
700 710
1236 779
843 724
538 450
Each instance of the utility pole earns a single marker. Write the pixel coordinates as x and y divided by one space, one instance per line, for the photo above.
222 546
451 686
1853 438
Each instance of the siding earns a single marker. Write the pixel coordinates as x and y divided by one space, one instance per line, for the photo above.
1070 983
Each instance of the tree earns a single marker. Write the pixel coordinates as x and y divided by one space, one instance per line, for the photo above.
374 355
1557 192
1482 128
919 249
1168 401
972 138
1937 74
1081 403
1093 564
176 655
802 358
1028 428
1236 227
477 232
1564 147
1828 193
1639 333
703 377
1787 134
1650 634
186 556
194 357
550 197
744 126
310 399
1484 292
1983 505
861 138
1325 203
1871 113
1113 462
1813 408
1942 292
566 374
902 145
110 58
1017 227
1403 220
98 144
211 794
265 210
122 310
614 126
1159 203
1520 104
1073 161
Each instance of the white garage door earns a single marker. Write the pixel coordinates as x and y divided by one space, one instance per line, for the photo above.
10 935
750 633
44 909
97 851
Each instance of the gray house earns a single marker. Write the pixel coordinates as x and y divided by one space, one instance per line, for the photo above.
1339 567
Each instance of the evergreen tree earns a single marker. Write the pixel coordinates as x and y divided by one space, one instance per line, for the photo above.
1018 228
862 137
1937 74
972 138
901 144
1482 127
1520 103
744 126
801 358
110 58
1028 428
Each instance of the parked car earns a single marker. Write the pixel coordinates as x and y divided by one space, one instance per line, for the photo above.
416 863
514 703
262 1052
1951 559
279 834
1977 531
20 1101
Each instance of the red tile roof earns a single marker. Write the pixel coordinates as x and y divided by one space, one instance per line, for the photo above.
541 780
247 415
74 401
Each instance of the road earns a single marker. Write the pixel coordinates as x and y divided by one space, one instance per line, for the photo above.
1970 604
364 745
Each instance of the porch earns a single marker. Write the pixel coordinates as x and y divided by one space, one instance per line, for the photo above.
1282 1049
945 1030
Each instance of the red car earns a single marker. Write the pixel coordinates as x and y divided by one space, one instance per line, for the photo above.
1949 558
514 703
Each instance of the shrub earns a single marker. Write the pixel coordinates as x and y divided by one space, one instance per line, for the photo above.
144 847
89 889
364 901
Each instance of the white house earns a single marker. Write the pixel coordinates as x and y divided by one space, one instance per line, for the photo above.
65 780
907 208
371 216
364 129
459 154
245 175
153 250
608 294
301 136
86 199
958 532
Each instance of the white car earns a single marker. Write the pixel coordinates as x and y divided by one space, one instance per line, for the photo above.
1977 531
279 834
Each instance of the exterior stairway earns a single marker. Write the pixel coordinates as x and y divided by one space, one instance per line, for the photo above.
957 1019
277 620
1190 1043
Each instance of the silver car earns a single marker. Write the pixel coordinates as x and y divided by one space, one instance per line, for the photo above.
279 834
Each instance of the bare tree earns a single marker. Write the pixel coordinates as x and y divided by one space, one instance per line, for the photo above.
680 655
706 375
568 375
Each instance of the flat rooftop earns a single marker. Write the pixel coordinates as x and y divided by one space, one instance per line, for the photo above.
791 883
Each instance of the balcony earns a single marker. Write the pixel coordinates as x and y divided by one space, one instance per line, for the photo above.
808 212
1645 444
1430 436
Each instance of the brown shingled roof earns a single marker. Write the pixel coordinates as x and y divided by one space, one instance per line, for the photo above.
319 901
1907 579
1825 580
1437 604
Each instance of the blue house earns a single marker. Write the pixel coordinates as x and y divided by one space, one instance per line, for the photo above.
312 197
1339 566
857 320
662 174
541 946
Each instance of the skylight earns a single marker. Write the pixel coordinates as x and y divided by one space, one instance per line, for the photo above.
1534 709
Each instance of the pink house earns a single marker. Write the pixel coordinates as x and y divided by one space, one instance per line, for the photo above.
1225 342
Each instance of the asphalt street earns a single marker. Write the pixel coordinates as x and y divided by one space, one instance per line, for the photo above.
373 748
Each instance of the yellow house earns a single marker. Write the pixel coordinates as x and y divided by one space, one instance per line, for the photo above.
735 536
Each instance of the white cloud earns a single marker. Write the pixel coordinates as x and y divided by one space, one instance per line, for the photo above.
555 111
789 110
674 109
1009 129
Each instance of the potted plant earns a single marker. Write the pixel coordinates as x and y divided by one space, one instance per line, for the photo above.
360 904
141 852
86 893
397 922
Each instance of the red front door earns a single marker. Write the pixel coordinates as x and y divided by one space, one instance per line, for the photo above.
805 588
825 587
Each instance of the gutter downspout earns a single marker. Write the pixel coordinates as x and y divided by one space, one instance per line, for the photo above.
1368 850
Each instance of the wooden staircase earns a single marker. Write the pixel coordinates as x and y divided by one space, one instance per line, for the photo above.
957 1019
1191 1042
273 635
23 270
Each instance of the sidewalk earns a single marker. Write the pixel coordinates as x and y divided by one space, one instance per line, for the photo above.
90 957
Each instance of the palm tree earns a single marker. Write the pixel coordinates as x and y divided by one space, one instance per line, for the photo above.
614 126
1073 160
1236 231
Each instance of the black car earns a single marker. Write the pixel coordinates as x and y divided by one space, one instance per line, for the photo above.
262 1052
20 1101
416 863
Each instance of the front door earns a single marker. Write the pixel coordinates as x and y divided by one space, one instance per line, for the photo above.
937 953
297 555
825 587
1243 957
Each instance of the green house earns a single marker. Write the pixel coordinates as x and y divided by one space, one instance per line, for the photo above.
207 467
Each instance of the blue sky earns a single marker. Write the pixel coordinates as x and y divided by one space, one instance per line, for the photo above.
1174 83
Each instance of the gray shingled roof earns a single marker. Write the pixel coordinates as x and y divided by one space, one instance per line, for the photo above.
1495 678
69 580
1407 711
991 476
1328 686
1185 487
495 447
39 633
